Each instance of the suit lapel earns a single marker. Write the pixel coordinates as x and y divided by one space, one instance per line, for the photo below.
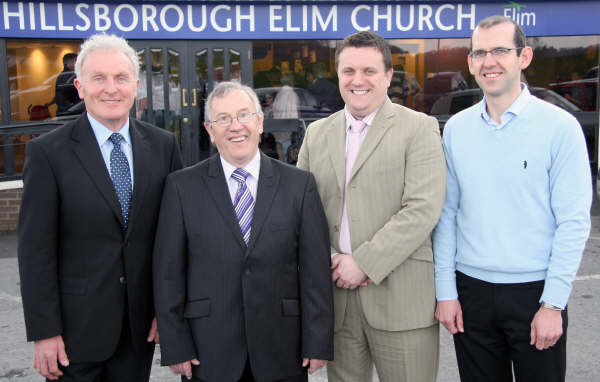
86 148
141 170
217 187
382 122
336 147
268 180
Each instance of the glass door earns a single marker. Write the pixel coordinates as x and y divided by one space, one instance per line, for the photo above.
212 62
182 74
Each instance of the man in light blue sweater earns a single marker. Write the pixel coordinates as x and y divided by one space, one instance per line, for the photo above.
515 220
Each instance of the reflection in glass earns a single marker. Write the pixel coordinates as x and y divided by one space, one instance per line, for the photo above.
201 93
218 65
36 70
235 65
141 102
296 79
174 70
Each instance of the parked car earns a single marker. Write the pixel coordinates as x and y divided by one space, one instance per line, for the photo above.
453 102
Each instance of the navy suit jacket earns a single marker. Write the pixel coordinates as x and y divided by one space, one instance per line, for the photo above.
79 270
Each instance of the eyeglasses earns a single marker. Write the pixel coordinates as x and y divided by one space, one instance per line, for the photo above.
226 120
480 54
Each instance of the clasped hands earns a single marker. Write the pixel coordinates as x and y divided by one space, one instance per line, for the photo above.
346 273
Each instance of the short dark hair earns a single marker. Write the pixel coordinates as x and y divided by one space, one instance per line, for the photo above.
519 36
68 58
366 39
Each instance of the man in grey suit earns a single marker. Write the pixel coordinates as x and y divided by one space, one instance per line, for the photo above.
380 172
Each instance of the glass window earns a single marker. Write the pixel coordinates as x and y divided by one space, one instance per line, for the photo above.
296 84
40 77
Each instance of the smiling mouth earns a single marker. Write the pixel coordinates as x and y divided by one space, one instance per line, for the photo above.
238 139
359 92
491 75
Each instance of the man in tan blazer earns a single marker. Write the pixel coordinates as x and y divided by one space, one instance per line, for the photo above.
380 172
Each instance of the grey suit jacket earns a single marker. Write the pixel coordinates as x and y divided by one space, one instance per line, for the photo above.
395 195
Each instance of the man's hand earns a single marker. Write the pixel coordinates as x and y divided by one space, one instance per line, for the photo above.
184 368
449 313
315 364
346 273
546 328
153 333
45 354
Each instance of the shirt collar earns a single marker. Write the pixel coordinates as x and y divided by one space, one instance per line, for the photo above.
102 132
253 167
515 109
367 120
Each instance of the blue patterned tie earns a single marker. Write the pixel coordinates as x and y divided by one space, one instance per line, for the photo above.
120 175
243 203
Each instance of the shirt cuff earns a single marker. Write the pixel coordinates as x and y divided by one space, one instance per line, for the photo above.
446 290
556 293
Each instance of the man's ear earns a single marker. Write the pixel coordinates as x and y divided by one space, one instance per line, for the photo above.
526 57
209 131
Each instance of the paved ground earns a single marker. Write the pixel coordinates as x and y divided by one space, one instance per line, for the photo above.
583 340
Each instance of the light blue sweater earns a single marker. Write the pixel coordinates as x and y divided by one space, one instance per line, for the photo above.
518 197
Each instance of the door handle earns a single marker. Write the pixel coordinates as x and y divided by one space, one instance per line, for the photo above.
184 97
194 91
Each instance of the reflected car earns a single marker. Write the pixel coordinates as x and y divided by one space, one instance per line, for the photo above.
309 108
442 83
453 102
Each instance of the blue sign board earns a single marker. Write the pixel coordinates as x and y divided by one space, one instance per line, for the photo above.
288 20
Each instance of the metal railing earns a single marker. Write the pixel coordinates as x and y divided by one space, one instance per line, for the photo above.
13 138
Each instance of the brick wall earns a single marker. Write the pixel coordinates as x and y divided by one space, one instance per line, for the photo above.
10 202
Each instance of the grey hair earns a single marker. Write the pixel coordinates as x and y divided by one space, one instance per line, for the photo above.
107 42
222 89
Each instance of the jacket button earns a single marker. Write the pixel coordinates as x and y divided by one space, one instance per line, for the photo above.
122 280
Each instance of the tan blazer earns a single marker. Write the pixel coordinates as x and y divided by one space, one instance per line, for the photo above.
395 197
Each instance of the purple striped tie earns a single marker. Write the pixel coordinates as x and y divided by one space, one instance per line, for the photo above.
243 203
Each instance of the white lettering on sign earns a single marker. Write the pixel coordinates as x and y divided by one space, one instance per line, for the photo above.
239 17
331 18
149 17
213 17
134 17
178 14
86 20
7 14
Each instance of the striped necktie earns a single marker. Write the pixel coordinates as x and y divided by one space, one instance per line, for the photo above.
243 203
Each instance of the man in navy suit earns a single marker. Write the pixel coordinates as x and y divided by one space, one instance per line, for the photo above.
91 198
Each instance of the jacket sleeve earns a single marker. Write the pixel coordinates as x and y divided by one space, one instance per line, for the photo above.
316 293
38 245
169 279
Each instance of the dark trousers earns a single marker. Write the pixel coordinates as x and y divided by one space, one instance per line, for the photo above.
125 365
248 377
497 319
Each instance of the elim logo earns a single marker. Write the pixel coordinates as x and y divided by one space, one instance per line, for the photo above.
513 11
